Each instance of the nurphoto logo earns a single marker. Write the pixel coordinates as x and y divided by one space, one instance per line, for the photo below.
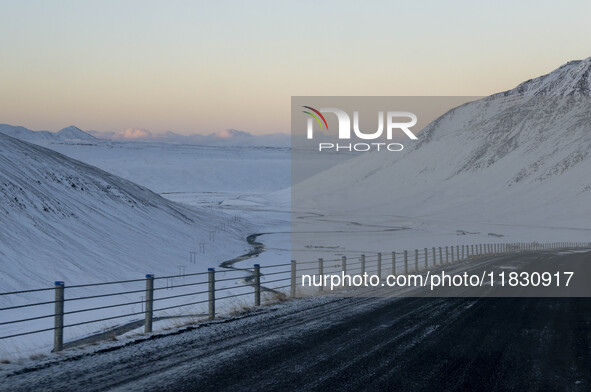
395 121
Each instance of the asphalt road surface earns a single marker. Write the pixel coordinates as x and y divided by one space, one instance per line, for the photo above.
350 344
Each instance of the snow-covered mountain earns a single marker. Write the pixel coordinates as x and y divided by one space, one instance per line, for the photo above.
68 133
521 157
63 219
73 133
230 134
571 79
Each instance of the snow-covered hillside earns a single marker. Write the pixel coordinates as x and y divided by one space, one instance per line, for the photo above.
515 159
61 219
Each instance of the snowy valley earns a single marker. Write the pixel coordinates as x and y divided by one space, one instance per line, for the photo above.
512 167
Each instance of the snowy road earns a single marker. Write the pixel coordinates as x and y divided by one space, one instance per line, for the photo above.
350 344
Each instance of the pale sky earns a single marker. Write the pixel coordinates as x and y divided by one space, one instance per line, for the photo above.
205 66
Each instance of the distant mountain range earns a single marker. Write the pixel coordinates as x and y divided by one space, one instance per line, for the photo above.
231 137
68 133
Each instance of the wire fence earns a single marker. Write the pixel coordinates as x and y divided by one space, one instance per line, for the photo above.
198 294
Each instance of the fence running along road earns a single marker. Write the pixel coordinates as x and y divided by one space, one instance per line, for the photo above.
206 293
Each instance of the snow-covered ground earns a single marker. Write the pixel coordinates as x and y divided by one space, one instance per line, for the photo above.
175 168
